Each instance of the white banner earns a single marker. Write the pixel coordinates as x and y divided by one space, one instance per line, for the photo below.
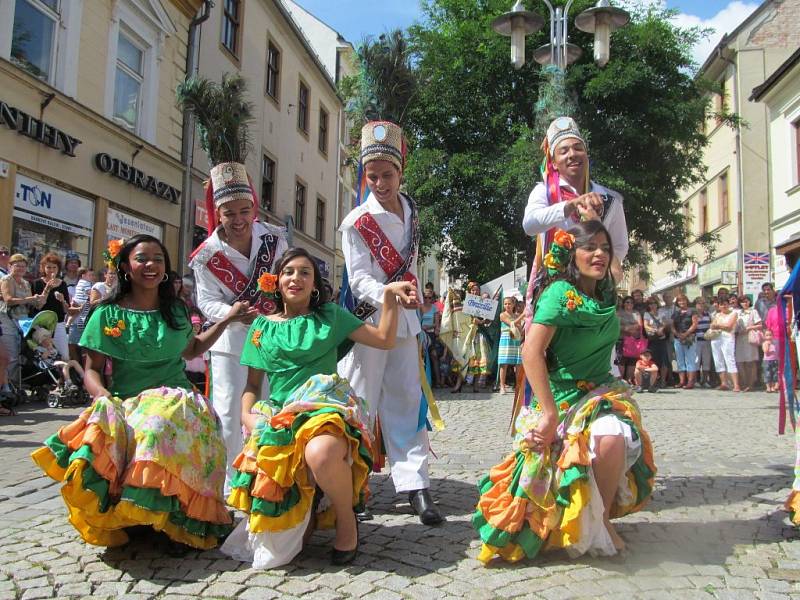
124 225
756 272
52 203
478 307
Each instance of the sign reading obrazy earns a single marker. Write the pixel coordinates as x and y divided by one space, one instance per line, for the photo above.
135 177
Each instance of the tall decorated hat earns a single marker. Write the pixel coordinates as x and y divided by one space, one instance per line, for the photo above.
382 140
223 117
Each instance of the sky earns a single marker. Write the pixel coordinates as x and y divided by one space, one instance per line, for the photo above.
355 19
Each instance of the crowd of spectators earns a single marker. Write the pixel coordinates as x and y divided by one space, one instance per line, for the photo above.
718 342
67 288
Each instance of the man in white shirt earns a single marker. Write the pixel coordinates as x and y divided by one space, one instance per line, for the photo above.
380 240
577 197
226 269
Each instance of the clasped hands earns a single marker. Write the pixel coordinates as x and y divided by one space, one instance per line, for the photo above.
588 206
405 292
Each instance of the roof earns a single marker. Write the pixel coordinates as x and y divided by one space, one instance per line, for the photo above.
771 81
726 38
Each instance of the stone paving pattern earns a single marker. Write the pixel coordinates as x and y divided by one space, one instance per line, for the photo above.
714 529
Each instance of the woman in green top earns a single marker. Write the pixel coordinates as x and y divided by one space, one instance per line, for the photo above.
149 450
311 433
581 455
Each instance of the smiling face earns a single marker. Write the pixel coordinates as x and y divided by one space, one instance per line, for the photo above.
570 158
146 266
383 179
50 270
593 257
18 268
236 218
296 281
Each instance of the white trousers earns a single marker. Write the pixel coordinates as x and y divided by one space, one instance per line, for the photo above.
724 350
389 381
228 378
60 341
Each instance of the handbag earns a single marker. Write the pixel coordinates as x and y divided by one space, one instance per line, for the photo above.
632 347
712 334
754 336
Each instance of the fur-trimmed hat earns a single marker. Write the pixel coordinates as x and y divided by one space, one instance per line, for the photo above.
229 182
382 140
561 129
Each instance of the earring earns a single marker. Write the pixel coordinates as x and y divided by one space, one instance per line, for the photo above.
315 295
277 293
166 277
127 276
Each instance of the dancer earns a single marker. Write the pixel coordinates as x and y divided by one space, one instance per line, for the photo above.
380 240
312 430
149 450
581 454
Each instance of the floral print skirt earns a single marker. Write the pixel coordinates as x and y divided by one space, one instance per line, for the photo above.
156 459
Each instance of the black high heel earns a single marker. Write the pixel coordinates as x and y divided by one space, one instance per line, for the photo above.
340 558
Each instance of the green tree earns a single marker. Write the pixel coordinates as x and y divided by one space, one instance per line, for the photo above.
476 145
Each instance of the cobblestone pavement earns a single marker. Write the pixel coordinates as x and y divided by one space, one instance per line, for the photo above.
714 529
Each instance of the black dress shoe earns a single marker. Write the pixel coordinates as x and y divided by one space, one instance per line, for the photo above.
423 505
339 558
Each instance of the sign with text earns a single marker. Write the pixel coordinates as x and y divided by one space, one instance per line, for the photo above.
50 203
124 225
483 308
756 272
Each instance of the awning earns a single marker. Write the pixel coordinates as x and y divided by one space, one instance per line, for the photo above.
688 273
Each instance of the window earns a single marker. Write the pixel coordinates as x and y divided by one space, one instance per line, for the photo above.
323 130
267 183
796 126
703 210
230 25
319 224
273 70
33 41
302 108
299 206
128 83
724 208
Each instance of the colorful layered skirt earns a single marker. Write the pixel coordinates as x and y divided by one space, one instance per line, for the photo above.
156 459
272 483
536 501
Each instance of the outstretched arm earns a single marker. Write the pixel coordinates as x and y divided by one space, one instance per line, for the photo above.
384 335
240 311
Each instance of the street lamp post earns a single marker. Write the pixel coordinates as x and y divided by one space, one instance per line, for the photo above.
601 20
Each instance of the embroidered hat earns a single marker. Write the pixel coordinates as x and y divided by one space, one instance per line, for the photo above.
230 182
561 129
382 140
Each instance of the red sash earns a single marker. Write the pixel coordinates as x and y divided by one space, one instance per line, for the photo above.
382 250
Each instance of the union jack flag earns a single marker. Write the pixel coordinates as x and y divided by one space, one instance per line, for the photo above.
756 258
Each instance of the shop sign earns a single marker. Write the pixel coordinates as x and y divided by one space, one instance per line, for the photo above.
48 202
124 225
200 213
324 267
756 271
44 133
712 272
135 177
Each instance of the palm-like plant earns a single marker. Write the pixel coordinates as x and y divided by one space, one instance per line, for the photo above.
223 116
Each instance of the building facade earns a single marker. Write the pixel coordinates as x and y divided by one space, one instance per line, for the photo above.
294 160
733 201
90 136
781 94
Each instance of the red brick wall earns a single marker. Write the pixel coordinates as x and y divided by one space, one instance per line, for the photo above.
780 26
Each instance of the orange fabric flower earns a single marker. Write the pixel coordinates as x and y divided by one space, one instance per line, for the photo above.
551 263
564 239
571 305
121 325
256 338
268 283
114 246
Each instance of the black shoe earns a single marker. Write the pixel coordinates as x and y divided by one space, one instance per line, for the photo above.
340 558
423 505
364 515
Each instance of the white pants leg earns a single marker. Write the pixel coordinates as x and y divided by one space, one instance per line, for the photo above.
389 381
60 341
228 378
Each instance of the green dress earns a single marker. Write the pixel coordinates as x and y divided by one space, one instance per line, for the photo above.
307 398
534 500
152 454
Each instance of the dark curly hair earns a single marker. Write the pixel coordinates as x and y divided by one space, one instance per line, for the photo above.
319 284
583 232
169 304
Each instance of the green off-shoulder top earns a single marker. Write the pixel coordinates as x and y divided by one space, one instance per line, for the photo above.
586 331
146 351
292 350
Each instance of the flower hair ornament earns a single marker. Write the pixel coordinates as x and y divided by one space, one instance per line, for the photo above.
111 253
556 260
268 284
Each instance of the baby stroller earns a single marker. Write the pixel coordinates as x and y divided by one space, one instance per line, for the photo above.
41 370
